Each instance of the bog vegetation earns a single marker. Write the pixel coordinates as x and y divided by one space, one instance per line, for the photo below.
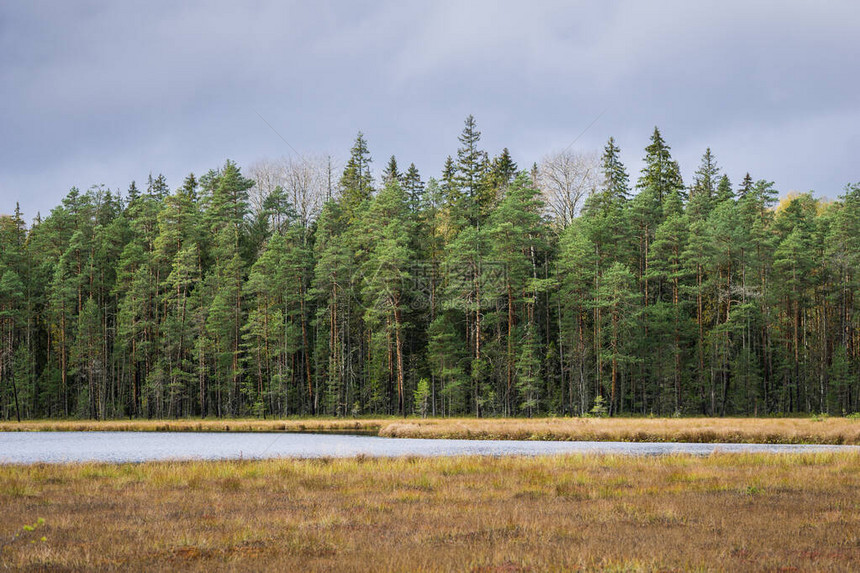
812 430
570 513
490 290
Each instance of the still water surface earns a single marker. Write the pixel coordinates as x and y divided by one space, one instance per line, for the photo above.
58 447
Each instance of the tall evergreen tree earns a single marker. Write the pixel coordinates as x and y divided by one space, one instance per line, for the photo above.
703 192
471 175
452 298
661 172
391 172
517 235
414 188
356 183
386 275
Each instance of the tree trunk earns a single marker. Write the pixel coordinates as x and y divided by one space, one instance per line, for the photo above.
399 349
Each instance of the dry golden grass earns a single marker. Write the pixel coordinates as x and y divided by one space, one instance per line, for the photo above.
700 430
730 512
199 425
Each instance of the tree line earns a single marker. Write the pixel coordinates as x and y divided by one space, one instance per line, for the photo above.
490 290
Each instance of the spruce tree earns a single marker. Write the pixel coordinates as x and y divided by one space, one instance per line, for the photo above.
746 186
724 189
503 169
414 188
391 172
471 174
661 173
615 178
356 183
703 192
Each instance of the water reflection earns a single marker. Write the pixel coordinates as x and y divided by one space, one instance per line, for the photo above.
58 447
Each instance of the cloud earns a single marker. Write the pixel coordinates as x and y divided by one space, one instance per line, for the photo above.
99 92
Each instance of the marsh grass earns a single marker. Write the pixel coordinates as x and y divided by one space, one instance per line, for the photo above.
695 430
813 430
198 425
796 512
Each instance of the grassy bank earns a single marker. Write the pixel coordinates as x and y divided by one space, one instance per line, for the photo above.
700 430
722 512
200 425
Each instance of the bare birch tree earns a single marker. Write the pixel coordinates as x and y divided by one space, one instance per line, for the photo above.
267 175
303 180
306 186
565 180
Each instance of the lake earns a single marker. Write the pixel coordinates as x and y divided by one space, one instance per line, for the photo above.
60 447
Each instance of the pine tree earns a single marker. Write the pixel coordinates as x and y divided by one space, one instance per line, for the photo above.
226 213
88 363
667 267
579 282
843 256
265 328
11 315
333 270
605 214
177 329
793 279
517 235
616 298
463 295
386 274
470 200
449 298
448 362
723 233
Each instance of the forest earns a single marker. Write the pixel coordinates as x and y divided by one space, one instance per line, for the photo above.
563 289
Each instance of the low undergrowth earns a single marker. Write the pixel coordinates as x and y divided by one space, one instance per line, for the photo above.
794 512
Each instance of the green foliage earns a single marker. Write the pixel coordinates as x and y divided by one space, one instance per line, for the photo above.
356 183
421 397
451 297
599 409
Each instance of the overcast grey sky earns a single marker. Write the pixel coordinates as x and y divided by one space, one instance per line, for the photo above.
107 92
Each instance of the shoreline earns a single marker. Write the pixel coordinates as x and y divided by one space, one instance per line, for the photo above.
809 430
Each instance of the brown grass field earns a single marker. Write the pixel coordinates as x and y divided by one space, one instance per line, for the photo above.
201 425
724 512
812 430
700 430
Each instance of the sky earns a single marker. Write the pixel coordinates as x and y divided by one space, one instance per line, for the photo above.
109 92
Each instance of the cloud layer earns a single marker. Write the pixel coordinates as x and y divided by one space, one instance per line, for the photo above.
100 92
